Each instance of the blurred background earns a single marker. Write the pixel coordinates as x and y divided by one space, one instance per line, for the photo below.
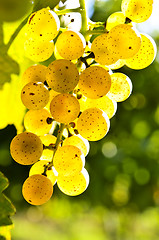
122 200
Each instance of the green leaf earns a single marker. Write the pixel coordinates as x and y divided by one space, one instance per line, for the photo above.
6 207
39 4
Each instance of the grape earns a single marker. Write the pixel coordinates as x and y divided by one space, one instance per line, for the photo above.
37 50
123 41
78 141
118 64
47 140
99 47
34 73
35 95
137 10
52 94
93 124
38 168
115 19
37 189
94 82
70 45
146 54
64 108
104 103
62 75
68 160
43 24
26 148
73 185
121 87
38 121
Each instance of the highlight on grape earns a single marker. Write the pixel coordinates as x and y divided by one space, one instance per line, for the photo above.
71 100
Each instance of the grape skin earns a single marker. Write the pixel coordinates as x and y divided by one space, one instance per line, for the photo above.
26 148
62 76
64 108
37 189
94 82
35 95
70 45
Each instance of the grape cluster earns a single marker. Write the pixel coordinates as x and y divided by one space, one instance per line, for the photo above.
72 100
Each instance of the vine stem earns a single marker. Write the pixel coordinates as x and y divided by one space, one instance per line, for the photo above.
83 12
16 32
57 143
65 11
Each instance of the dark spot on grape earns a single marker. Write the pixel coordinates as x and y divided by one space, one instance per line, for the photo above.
72 20
49 120
72 35
31 18
69 110
32 94
23 92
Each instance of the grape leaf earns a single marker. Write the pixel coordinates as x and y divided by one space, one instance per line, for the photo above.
8 66
38 4
6 207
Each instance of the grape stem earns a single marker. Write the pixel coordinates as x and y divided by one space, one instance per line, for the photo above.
65 11
57 143
83 12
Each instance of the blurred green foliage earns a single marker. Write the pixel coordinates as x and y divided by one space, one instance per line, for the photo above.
122 200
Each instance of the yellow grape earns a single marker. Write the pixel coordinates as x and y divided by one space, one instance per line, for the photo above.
123 41
115 19
137 10
146 54
26 148
121 87
64 108
94 82
38 121
62 75
118 64
73 185
68 160
39 167
47 140
43 25
93 124
78 141
99 47
70 45
104 103
34 73
52 94
37 189
35 95
38 51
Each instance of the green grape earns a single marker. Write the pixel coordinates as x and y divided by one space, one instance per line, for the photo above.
78 141
115 19
37 50
39 167
93 124
26 148
123 41
12 10
137 10
38 121
73 185
70 45
34 73
94 82
62 75
35 95
146 54
47 140
104 103
37 189
64 108
121 87
100 49
68 160
43 24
